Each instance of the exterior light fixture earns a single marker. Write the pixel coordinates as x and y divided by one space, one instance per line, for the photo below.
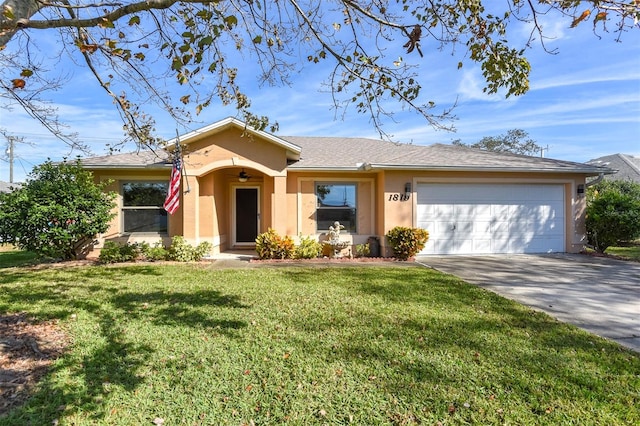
243 176
580 189
407 189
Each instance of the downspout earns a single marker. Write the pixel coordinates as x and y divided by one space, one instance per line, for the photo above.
595 181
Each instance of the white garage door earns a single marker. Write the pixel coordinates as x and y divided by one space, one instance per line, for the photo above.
491 218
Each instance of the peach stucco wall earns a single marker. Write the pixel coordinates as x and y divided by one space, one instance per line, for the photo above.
229 148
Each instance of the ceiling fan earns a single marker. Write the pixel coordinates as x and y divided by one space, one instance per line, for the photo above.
243 176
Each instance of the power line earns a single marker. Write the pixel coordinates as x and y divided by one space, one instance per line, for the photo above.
50 136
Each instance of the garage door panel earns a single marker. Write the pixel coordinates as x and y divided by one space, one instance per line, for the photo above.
492 218
463 246
463 211
425 210
462 227
443 211
443 246
499 211
482 245
500 227
482 229
444 229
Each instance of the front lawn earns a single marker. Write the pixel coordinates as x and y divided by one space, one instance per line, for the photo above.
189 344
11 257
628 251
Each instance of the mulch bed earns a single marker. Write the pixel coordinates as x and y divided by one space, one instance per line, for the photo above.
27 349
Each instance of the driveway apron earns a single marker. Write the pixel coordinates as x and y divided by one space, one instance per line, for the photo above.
600 295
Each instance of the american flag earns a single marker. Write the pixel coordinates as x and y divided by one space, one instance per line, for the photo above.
172 202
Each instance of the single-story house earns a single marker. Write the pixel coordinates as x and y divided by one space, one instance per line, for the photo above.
238 182
627 166
8 186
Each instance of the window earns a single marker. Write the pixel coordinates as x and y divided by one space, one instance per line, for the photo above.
336 202
142 209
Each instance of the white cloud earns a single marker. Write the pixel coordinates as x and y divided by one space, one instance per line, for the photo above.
470 88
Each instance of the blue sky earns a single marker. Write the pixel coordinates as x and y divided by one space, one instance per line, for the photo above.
584 102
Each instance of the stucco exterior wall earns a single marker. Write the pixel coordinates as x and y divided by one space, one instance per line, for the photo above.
229 148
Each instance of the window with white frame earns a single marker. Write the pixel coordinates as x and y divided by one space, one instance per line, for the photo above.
142 209
336 202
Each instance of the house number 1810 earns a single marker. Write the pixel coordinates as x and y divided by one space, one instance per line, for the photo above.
399 197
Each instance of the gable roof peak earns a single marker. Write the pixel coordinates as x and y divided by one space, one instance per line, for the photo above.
293 151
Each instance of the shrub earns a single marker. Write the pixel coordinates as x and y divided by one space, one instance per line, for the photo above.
363 250
308 248
613 213
114 252
57 213
181 251
153 253
269 245
407 242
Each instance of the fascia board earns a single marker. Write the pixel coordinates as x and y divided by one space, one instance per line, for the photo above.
589 171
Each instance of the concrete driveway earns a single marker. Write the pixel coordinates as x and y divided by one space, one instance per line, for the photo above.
597 294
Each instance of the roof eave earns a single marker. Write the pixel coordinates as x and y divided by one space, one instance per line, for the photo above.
589 171
127 166
325 169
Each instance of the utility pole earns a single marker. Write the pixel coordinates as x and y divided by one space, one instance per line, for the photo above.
10 153
542 150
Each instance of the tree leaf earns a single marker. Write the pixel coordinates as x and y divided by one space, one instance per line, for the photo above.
580 18
231 21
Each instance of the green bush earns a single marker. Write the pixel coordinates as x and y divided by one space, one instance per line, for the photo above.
613 213
308 248
270 245
153 253
58 212
181 251
114 252
407 242
363 250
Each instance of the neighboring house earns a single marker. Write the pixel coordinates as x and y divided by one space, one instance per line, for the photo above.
8 187
627 166
238 183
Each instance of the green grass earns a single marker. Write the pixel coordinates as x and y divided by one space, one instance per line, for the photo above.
287 345
10 257
630 251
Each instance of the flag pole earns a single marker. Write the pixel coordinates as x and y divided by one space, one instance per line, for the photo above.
184 169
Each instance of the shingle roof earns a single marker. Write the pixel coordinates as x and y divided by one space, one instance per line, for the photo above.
339 153
628 166
142 159
354 153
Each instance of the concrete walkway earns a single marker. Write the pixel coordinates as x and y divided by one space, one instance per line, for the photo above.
600 295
